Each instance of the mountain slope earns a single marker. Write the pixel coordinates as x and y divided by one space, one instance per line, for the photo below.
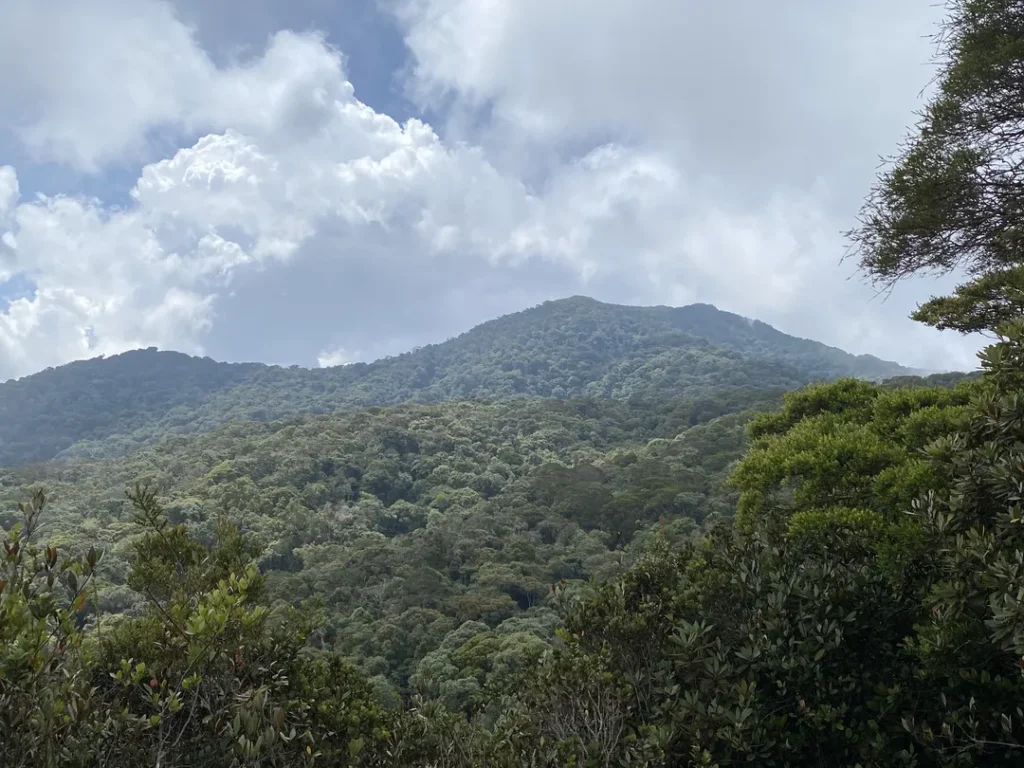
409 521
568 348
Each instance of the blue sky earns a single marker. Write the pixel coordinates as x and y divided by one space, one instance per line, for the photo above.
317 181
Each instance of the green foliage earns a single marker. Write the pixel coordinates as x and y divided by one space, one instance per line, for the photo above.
952 201
408 522
45 699
447 543
572 348
818 633
739 651
205 675
971 640
849 444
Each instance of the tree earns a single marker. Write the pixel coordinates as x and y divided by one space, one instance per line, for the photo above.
206 675
971 644
45 707
954 199
847 444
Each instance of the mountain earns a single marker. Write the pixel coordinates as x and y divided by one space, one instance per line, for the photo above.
568 348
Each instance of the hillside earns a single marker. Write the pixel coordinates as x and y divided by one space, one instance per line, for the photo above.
409 521
415 519
569 348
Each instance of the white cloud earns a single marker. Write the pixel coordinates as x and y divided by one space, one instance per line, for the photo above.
103 284
330 358
8 197
8 189
299 169
742 82
85 83
302 223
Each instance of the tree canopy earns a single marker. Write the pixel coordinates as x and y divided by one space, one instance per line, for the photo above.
954 198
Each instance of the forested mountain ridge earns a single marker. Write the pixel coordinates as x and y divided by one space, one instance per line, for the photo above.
569 348
537 582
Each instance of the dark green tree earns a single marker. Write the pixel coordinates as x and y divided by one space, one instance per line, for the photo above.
971 640
954 198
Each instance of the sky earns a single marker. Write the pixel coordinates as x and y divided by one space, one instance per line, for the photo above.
317 182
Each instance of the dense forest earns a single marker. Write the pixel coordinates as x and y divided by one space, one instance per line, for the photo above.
413 519
823 571
572 348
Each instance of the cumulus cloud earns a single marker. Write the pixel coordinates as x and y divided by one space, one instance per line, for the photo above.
774 92
773 114
87 83
294 223
82 83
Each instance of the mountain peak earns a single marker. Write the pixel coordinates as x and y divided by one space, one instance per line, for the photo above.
573 347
